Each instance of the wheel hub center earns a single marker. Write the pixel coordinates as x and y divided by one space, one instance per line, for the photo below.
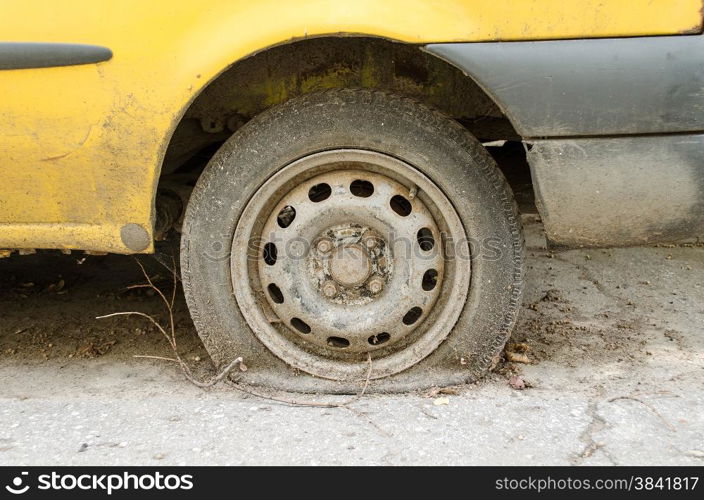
350 265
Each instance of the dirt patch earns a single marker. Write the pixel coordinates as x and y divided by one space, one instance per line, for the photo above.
49 303
553 334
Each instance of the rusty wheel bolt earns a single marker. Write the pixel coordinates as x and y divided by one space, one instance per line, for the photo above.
324 246
329 289
375 285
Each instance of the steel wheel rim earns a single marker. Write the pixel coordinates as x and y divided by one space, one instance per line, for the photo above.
314 310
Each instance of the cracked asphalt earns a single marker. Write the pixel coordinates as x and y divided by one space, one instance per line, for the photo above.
615 375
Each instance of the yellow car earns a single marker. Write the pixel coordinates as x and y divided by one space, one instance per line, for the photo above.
341 218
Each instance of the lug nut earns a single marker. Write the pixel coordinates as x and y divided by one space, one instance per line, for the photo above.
375 285
324 246
371 243
329 289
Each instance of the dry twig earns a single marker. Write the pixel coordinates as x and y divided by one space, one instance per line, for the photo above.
169 334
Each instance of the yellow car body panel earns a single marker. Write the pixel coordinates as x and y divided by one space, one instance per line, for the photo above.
81 147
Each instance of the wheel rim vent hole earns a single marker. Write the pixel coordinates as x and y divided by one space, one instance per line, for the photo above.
286 216
300 325
363 189
401 205
275 293
319 192
425 239
338 342
430 279
412 315
270 254
379 338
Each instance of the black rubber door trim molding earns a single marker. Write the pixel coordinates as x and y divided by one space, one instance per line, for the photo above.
26 55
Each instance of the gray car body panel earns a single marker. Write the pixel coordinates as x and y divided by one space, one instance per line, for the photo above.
590 87
612 129
594 192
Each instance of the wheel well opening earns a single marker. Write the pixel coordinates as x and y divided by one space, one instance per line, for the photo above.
270 77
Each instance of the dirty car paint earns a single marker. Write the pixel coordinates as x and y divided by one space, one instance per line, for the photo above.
81 147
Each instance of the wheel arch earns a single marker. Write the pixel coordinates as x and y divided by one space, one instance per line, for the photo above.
270 76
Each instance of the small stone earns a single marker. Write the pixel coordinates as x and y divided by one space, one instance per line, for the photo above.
517 382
